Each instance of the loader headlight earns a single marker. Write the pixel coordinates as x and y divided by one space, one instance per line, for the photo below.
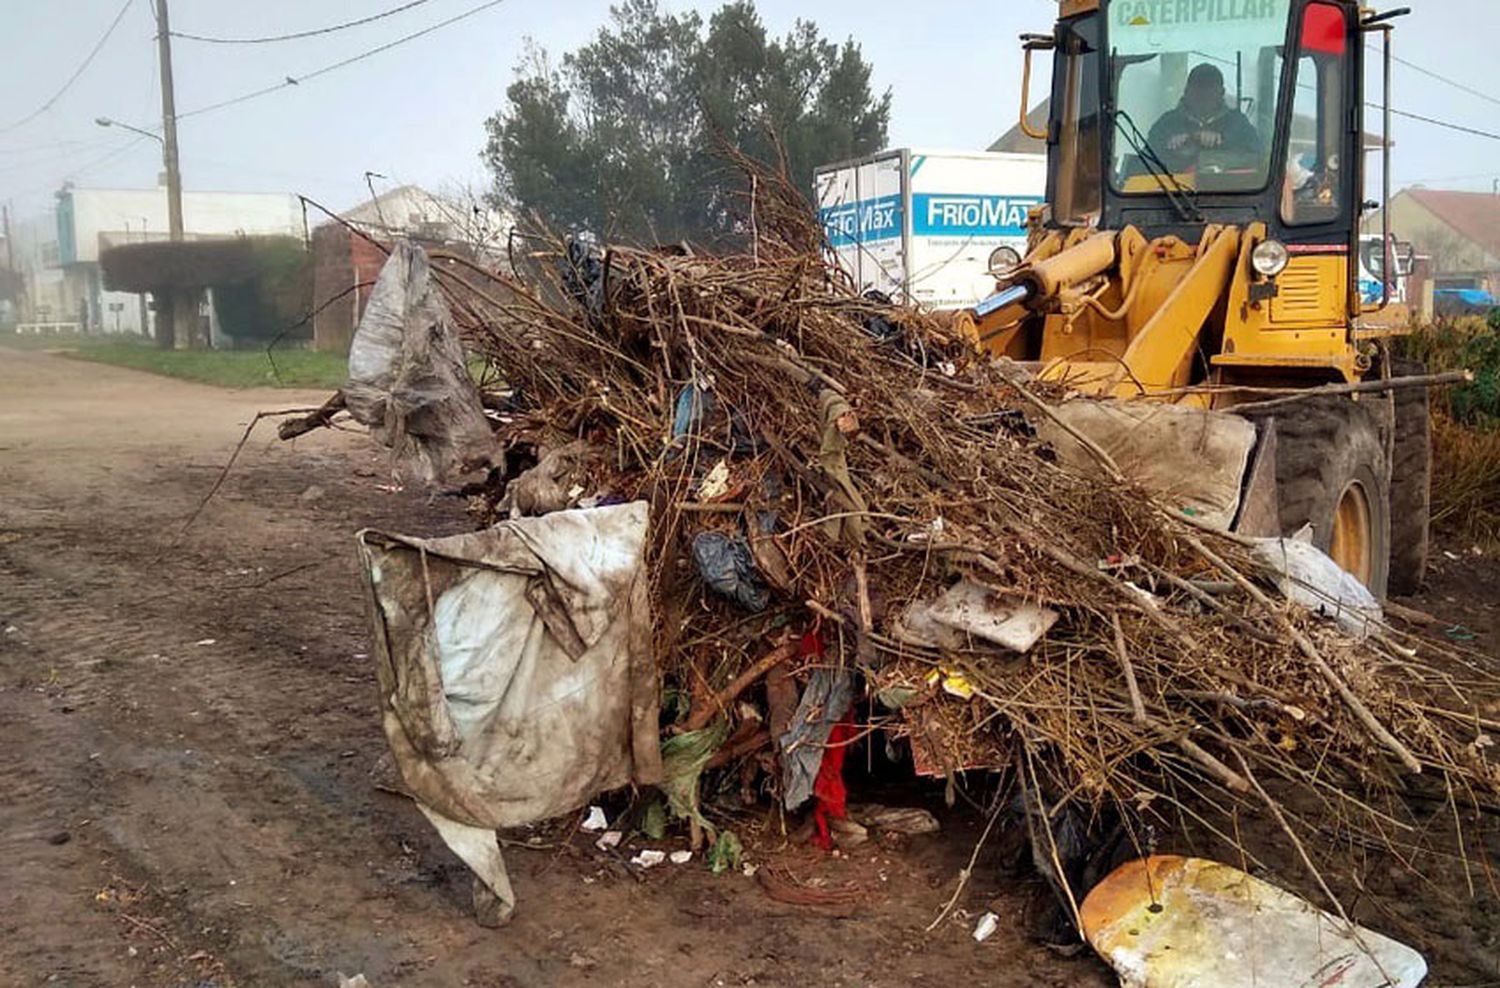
1270 258
1003 260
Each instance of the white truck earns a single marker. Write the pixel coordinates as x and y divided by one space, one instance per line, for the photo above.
921 226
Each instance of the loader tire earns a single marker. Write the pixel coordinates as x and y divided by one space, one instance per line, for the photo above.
1411 482
1333 474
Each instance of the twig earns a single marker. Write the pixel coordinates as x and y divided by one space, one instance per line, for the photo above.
1307 862
224 473
734 752
968 870
720 701
1197 753
1105 460
1411 615
1196 591
141 924
1308 649
258 584
1057 866
1361 387
1243 705
320 419
1137 705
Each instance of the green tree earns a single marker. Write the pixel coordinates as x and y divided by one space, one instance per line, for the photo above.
620 138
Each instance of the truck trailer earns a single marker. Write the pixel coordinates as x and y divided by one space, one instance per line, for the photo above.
922 226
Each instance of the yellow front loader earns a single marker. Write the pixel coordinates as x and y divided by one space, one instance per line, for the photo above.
1199 246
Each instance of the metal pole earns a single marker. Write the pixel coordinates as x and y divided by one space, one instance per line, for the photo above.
1385 179
10 264
180 310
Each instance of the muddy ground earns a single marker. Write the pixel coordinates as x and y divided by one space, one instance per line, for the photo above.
191 762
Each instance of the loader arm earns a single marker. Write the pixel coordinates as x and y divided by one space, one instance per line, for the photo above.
1121 316
1160 354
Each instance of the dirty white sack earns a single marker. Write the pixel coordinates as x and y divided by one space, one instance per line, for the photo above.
1193 459
515 671
407 377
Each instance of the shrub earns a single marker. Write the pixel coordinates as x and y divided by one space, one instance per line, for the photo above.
1465 427
1459 343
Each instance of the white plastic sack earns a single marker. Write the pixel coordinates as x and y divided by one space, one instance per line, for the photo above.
515 670
407 378
1306 575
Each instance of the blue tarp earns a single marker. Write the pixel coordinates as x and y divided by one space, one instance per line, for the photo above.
1473 297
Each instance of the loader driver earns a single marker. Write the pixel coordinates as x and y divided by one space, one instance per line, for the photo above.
1201 122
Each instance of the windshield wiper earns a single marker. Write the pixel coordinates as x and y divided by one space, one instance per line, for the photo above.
1181 198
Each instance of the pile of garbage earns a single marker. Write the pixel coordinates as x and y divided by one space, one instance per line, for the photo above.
831 521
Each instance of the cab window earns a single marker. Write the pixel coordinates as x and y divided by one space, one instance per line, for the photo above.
1314 188
1079 157
1194 89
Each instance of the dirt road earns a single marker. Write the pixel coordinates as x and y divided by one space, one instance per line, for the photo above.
189 747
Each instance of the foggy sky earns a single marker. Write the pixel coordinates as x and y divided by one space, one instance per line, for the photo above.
415 114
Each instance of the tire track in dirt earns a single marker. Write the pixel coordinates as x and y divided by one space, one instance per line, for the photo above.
85 655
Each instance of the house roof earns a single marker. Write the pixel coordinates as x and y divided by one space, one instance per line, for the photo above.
400 208
1475 216
1015 140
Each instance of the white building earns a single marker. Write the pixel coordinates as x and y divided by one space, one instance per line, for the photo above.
412 211
59 253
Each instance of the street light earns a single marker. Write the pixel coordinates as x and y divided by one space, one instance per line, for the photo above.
107 122
181 310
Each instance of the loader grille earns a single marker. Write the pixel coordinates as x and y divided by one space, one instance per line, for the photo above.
1308 292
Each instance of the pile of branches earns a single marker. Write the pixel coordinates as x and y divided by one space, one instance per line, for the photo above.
869 459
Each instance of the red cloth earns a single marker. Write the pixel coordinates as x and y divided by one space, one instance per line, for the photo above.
828 789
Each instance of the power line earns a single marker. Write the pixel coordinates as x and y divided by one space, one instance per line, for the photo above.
74 77
48 147
291 81
79 170
1442 123
1444 79
299 34
103 159
295 81
1471 177
49 160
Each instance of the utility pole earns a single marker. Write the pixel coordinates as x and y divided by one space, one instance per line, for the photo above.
181 309
10 245
11 275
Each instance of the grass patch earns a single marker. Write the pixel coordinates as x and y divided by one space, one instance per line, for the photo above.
226 368
62 341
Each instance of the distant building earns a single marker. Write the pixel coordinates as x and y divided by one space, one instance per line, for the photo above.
1460 231
58 253
346 262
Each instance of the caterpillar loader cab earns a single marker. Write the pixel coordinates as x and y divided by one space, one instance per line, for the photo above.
1200 244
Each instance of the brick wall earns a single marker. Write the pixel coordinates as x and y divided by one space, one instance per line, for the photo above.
333 272
342 262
